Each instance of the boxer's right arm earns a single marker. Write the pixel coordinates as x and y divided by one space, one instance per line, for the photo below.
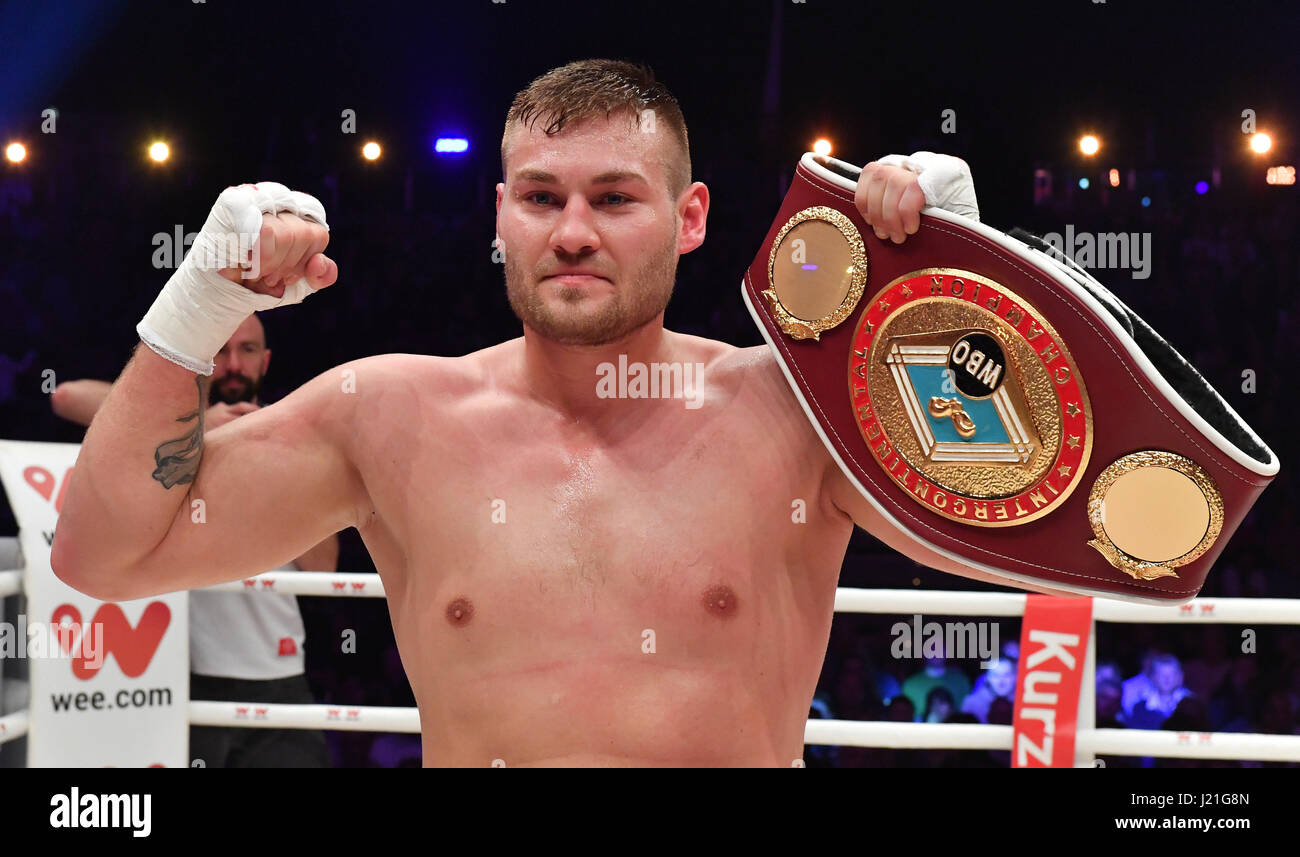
140 514
154 506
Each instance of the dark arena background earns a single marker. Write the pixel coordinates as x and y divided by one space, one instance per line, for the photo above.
1174 96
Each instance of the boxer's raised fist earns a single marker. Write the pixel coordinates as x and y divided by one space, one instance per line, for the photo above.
260 248
288 243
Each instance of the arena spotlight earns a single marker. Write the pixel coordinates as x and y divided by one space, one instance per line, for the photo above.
1260 143
371 151
451 145
159 151
1114 177
1089 145
822 147
16 153
1283 175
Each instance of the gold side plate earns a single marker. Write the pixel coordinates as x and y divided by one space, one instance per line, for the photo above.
817 270
1153 511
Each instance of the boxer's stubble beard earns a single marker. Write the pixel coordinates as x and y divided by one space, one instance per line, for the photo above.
637 298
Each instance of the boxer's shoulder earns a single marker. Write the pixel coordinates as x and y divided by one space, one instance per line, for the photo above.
757 368
416 373
763 386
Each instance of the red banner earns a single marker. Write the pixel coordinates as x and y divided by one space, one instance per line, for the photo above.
1053 648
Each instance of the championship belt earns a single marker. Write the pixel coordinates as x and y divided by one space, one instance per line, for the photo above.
997 404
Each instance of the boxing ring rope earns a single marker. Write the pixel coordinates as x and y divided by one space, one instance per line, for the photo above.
11 583
322 583
13 726
1089 741
344 718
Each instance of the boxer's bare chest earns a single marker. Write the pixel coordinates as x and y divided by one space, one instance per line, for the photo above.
507 522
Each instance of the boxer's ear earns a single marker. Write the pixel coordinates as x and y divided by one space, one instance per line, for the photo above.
692 216
501 190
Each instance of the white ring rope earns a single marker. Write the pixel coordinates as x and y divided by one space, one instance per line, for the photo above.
844 733
11 583
1257 611
347 718
1093 742
13 726
323 583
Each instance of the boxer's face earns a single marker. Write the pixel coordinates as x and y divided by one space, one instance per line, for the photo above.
240 365
591 233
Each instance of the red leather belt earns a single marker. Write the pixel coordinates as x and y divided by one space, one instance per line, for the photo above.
998 404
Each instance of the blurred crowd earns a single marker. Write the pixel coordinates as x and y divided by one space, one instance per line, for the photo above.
1209 678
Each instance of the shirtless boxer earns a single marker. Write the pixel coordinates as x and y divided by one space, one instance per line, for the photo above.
572 579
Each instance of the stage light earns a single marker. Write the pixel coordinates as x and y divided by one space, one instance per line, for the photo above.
1284 175
1114 178
1083 183
1146 202
1089 145
371 151
451 145
1260 143
1202 188
159 151
822 147
16 153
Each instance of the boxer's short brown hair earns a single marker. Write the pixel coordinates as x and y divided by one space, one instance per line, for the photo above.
590 88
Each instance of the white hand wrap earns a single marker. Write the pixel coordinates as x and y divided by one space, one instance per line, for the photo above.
198 309
945 180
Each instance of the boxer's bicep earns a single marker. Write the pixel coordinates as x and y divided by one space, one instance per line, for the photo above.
270 487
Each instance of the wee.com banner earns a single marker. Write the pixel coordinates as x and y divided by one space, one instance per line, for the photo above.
109 681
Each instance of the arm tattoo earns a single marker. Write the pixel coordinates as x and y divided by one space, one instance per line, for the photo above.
178 459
